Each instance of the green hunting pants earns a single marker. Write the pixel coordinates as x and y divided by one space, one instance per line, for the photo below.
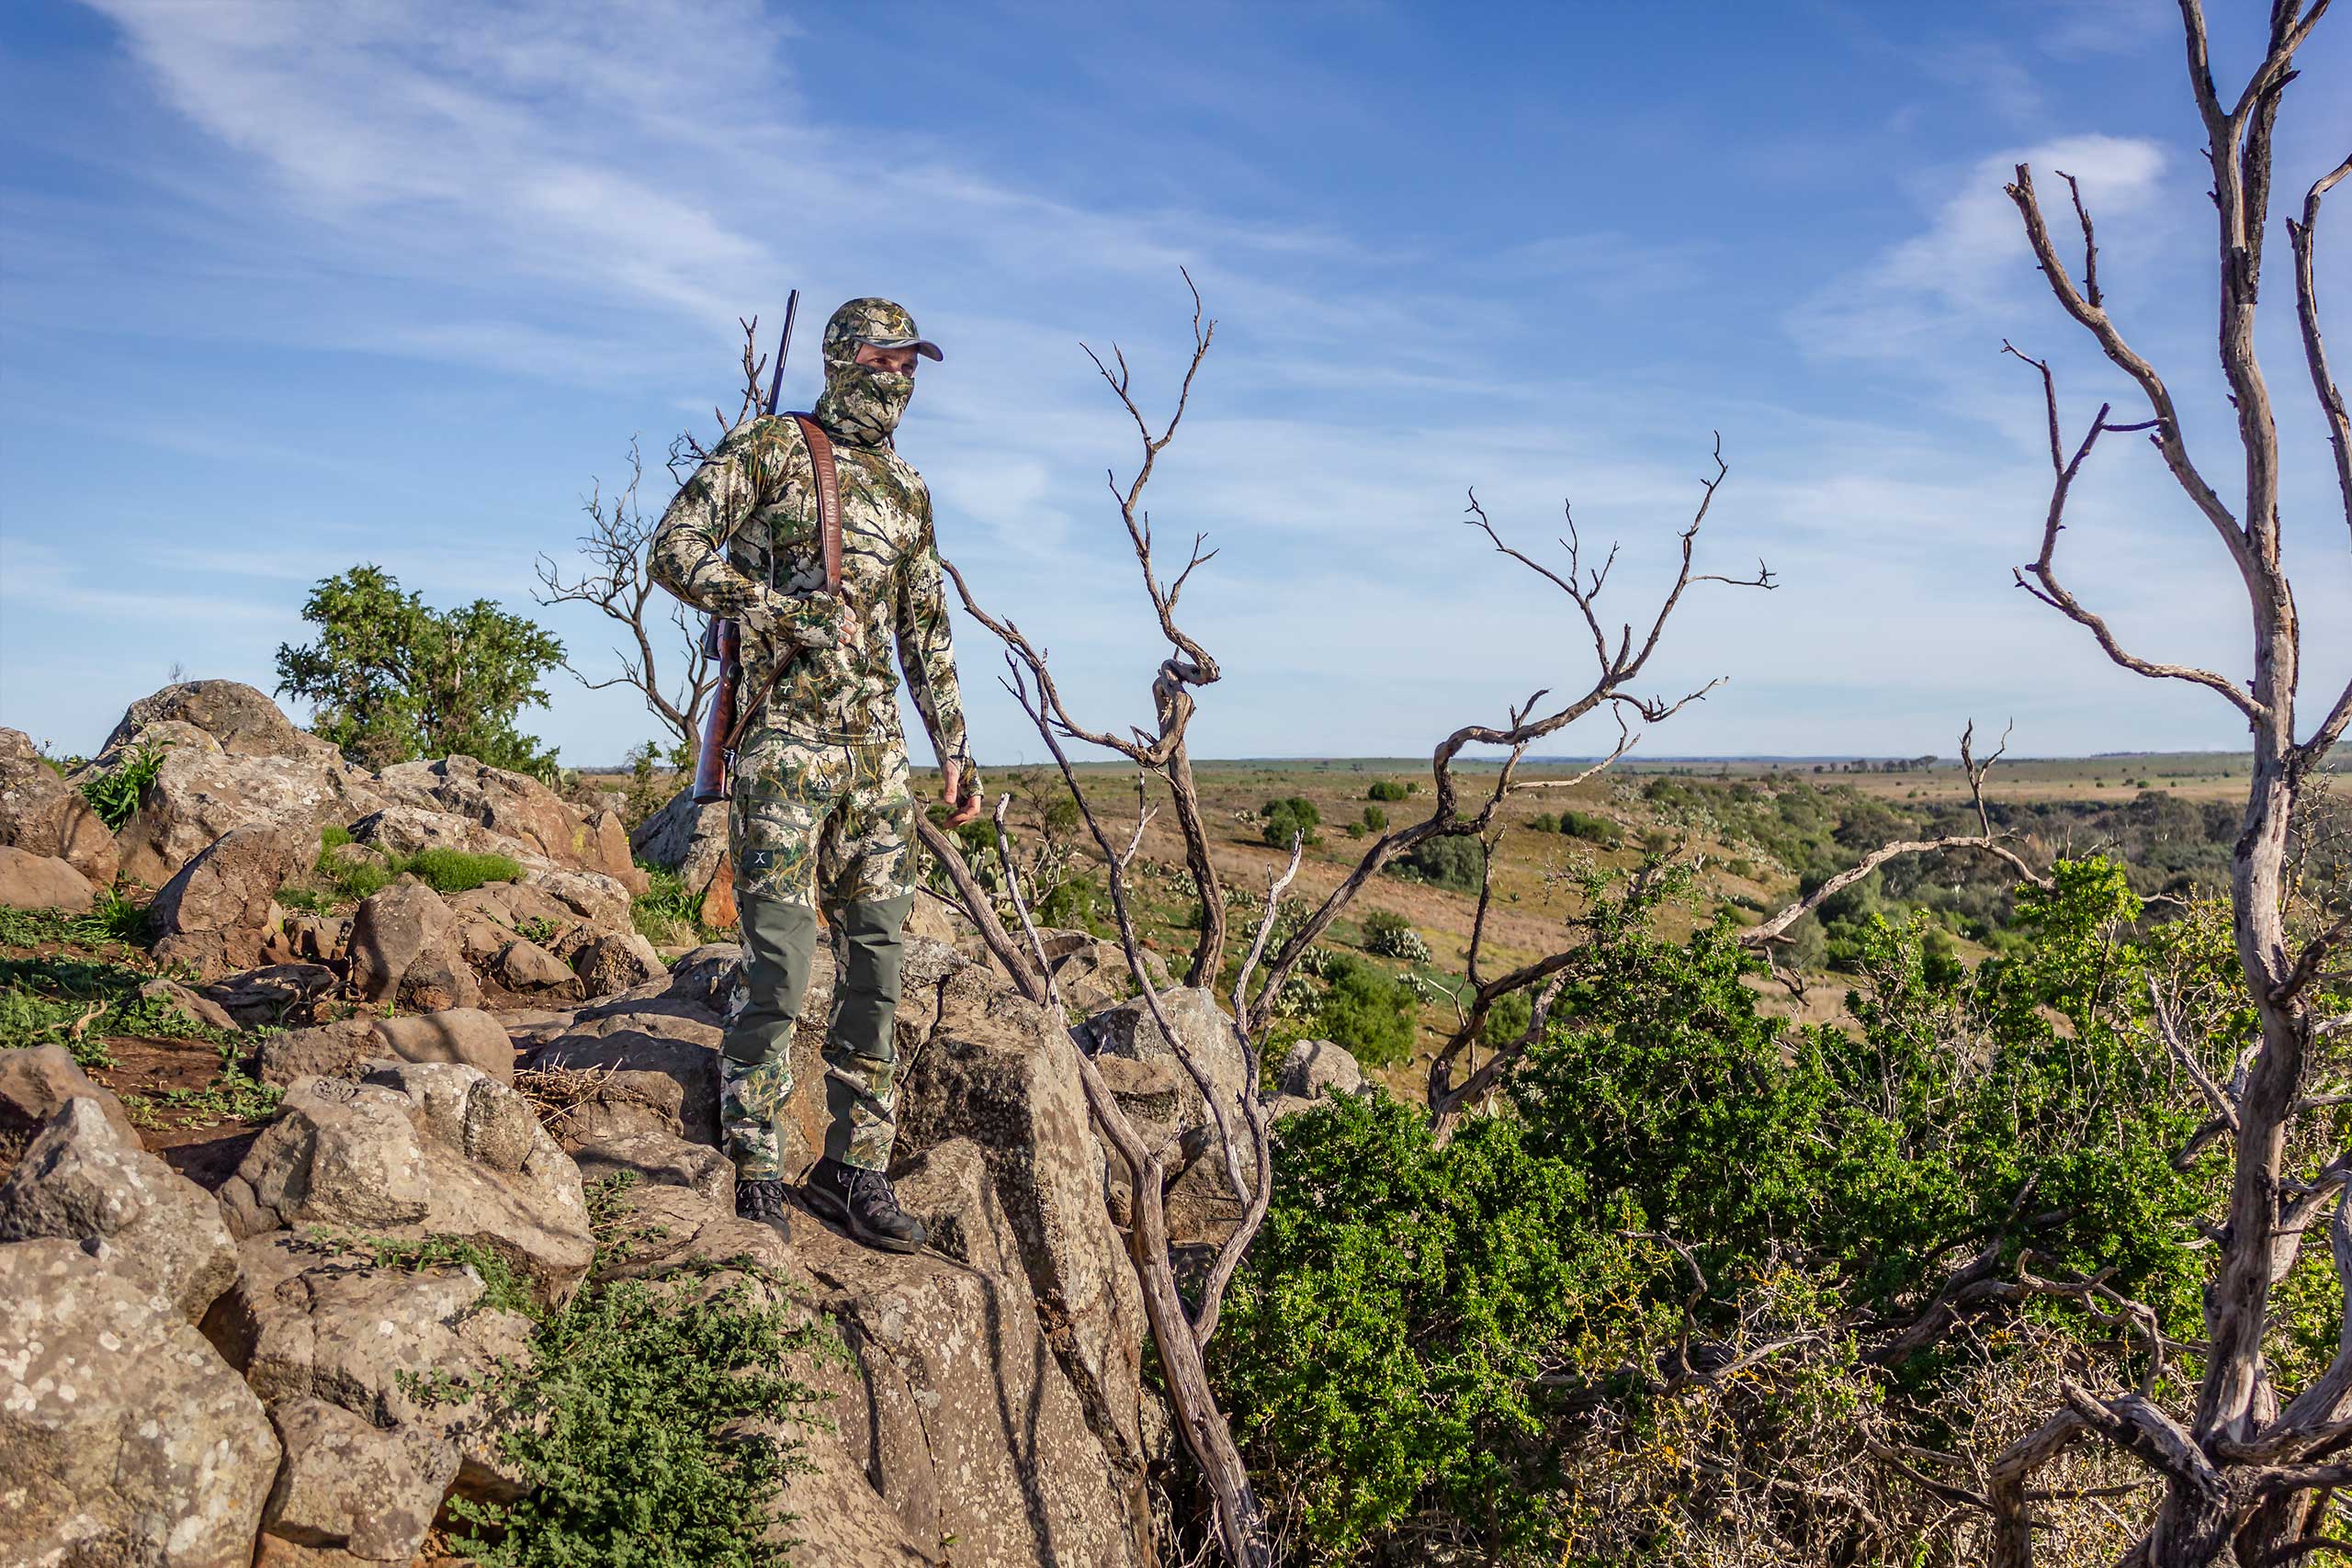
817 825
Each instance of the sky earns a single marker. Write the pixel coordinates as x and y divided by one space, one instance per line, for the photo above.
286 288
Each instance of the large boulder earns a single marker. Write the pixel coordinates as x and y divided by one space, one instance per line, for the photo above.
311 1319
84 1178
127 1439
277 995
997 1073
966 1422
647 1034
240 718
198 795
43 815
517 808
219 912
1313 1068
417 1150
686 839
1200 1201
349 1047
404 948
35 1083
352 1487
29 881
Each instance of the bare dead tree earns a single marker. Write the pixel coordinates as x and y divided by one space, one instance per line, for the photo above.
2246 1474
617 583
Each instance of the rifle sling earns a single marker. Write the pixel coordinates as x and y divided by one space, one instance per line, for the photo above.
829 531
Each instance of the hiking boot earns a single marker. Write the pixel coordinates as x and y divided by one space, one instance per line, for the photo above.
861 1200
764 1203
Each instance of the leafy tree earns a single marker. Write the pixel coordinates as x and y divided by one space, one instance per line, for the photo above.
392 679
1367 1011
1293 817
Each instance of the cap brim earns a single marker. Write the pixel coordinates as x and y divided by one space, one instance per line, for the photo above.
923 347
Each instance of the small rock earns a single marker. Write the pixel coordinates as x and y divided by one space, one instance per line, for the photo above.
280 996
404 948
1312 1067
349 1483
194 1004
458 1035
83 1179
660 1159
35 1083
43 815
528 968
614 963
29 881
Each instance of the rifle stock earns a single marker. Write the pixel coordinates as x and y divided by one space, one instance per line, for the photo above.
722 640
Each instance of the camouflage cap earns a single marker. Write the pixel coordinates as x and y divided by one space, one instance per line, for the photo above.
877 322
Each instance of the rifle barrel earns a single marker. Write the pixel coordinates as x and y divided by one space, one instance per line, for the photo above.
783 347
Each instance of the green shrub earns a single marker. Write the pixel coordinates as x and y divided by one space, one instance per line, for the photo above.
1592 828
352 878
627 1421
114 795
1354 830
1291 818
1366 1010
1385 789
1544 822
667 911
1392 936
458 871
1454 862
1374 819
1079 905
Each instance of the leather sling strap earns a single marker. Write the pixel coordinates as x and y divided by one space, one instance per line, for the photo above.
829 531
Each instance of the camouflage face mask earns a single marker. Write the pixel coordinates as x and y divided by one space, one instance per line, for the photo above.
862 404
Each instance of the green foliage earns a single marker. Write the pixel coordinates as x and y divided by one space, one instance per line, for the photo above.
1367 1011
60 999
1385 789
1375 820
353 877
1544 822
1392 936
503 1290
1291 818
654 1426
114 795
392 679
1428 1343
1456 862
667 910
1080 904
1592 828
233 1095
115 923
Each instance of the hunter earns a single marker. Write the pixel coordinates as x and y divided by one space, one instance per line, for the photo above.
820 816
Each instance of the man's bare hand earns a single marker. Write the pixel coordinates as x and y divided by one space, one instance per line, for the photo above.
954 781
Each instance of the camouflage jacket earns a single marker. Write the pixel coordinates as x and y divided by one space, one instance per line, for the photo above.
741 541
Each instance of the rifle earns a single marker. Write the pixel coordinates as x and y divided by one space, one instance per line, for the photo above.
723 639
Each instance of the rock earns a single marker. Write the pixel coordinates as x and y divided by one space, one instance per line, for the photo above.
338 1050
1152 1093
686 839
128 1441
196 797
657 1158
35 1083
616 963
1129 1030
350 1484
280 995
1282 1105
458 1035
605 847
996 1072
582 1108
404 949
240 718
29 881
43 815
968 1427
680 1042
85 1178
197 1007
514 806
1316 1067
415 1150
317 939
659 1228
528 968
220 911
308 1320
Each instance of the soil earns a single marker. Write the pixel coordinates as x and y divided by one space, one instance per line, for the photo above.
203 1147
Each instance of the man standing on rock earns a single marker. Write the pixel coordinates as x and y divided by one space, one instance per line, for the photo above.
821 816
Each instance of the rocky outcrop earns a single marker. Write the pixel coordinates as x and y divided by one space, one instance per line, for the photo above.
198 796
29 881
404 948
240 719
127 1440
35 1083
519 809
413 1150
218 913
43 815
686 839
349 1047
84 1179
309 1321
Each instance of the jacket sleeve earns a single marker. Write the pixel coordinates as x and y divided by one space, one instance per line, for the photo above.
926 650
689 553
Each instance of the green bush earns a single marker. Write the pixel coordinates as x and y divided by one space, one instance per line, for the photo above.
1427 1343
1592 828
1366 1010
1392 936
351 878
1374 819
1291 818
1454 862
1544 822
1385 789
667 911
114 795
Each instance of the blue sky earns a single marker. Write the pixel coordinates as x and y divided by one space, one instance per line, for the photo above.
286 286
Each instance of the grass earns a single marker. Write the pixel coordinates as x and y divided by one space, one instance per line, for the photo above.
668 912
115 923
349 879
114 795
60 999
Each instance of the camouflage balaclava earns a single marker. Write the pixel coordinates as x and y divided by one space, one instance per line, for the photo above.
861 404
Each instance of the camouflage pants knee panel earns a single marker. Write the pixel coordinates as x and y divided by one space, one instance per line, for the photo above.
835 821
